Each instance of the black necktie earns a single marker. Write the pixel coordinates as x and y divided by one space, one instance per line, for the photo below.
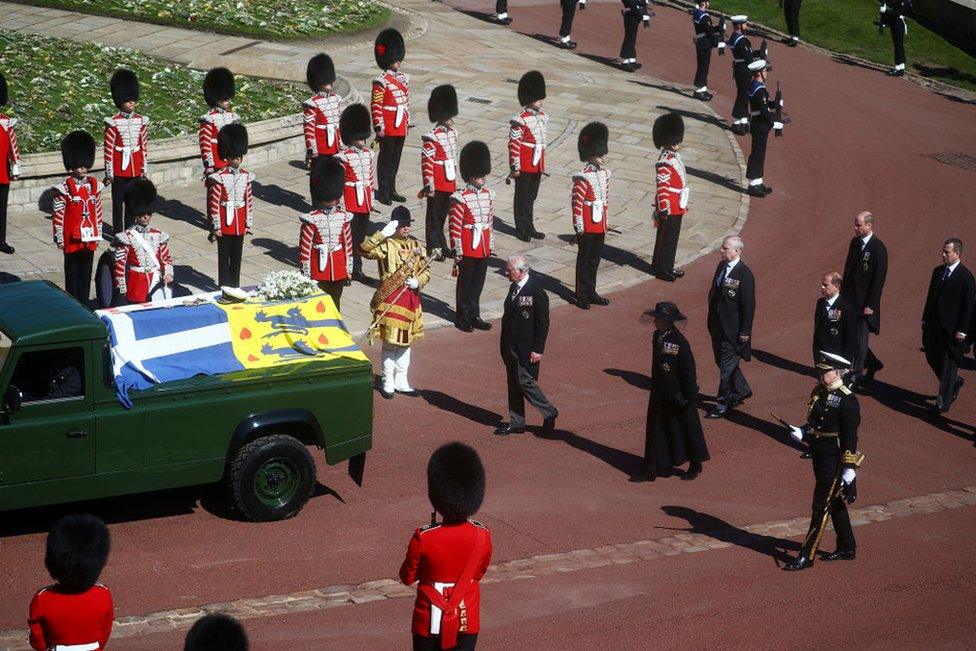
945 274
514 291
721 278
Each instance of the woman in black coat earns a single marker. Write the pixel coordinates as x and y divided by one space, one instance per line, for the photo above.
674 432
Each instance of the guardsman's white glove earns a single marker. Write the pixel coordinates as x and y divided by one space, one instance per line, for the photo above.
796 433
777 126
412 283
848 476
390 229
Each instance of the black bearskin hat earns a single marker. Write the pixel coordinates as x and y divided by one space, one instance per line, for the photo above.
232 141
443 103
77 550
455 481
531 87
389 48
218 86
475 160
320 72
216 632
326 180
4 95
141 196
354 123
78 150
125 87
669 130
593 140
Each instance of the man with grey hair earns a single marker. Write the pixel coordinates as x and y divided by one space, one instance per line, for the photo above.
525 326
865 271
731 307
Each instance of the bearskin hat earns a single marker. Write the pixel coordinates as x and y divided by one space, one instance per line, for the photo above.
140 196
475 160
443 103
669 130
593 140
78 150
216 632
389 48
455 481
125 87
232 141
326 180
77 550
531 87
354 123
4 95
320 72
218 86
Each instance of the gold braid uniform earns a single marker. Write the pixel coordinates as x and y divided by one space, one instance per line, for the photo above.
397 258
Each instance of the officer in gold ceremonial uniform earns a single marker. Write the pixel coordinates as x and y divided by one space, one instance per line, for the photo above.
833 417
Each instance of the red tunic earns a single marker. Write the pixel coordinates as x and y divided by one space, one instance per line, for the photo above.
83 618
438 159
357 196
126 144
527 141
320 114
672 186
436 556
230 200
9 152
142 259
77 220
390 103
591 188
471 219
325 245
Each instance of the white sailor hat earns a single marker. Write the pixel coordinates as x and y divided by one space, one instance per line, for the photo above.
832 362
757 65
738 19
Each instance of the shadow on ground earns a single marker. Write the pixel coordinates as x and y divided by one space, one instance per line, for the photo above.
719 529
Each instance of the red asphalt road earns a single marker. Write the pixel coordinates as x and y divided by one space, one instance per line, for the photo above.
858 140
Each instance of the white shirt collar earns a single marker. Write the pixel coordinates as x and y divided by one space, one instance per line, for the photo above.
520 284
952 267
832 300
866 239
731 265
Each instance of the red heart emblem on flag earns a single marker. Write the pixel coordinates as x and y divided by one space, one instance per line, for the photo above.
245 334
320 307
252 358
323 340
381 49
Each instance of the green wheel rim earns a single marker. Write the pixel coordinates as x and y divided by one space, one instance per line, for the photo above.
276 482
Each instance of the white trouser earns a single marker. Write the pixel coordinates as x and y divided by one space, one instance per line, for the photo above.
396 363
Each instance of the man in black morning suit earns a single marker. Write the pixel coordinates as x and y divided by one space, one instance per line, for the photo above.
731 307
947 317
525 326
864 277
834 321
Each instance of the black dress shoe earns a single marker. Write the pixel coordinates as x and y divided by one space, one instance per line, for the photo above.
704 97
738 400
463 327
644 476
840 555
638 65
667 277
955 388
717 413
549 425
807 455
677 273
596 299
567 45
692 473
537 235
383 199
896 73
628 67
767 189
504 21
412 393
6 248
525 237
480 324
386 394
798 563
399 198
756 191
739 129
581 303
505 430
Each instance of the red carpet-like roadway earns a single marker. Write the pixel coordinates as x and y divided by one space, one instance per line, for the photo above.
858 140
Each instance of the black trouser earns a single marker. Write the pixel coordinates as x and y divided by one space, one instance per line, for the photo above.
569 11
792 10
757 155
438 206
938 345
588 254
740 73
334 289
122 217
863 357
897 27
470 282
78 274
826 469
229 251
4 193
526 191
359 225
732 383
704 58
501 6
465 642
387 164
666 244
523 384
628 49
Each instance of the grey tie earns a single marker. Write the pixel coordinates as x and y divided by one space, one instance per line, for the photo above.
725 274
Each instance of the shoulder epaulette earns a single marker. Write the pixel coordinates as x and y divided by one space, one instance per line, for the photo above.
428 527
478 524
845 390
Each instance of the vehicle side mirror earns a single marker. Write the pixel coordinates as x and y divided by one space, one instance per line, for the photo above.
12 398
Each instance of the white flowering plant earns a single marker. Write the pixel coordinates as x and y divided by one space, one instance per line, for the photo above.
286 285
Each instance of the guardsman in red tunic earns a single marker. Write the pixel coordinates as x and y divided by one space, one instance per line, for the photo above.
9 163
325 239
671 201
231 204
357 159
76 612
438 161
143 264
77 218
125 146
448 559
218 91
472 217
320 112
527 151
390 107
216 631
591 188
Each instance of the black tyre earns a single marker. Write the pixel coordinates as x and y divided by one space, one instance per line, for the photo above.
271 478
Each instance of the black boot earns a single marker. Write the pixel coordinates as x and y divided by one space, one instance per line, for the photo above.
801 562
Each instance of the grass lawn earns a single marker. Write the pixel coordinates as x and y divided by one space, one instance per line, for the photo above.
847 26
267 19
58 85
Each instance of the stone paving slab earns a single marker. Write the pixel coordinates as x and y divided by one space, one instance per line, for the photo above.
579 90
